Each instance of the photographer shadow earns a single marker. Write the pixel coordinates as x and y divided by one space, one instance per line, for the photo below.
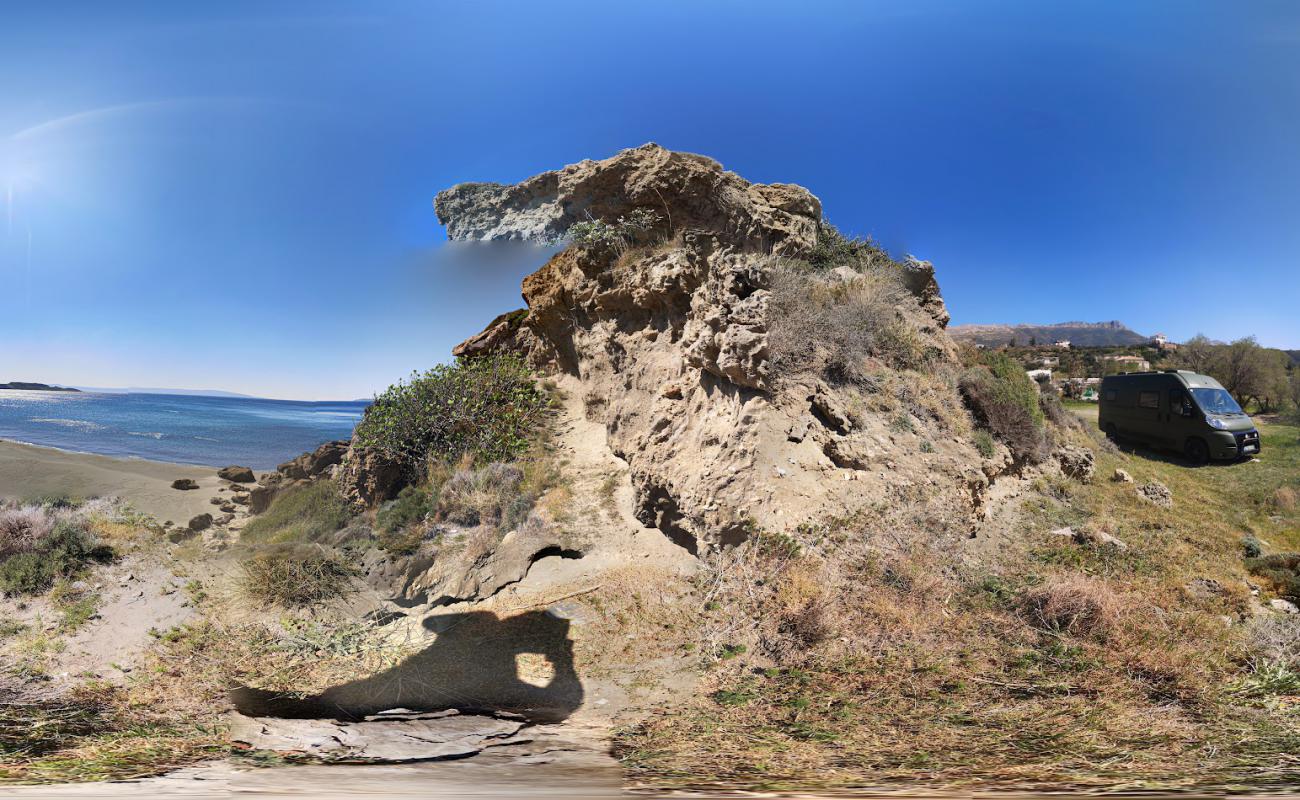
471 666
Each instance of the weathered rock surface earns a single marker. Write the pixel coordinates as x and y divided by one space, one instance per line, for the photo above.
668 346
692 191
200 523
367 477
236 474
397 735
1077 463
1121 476
1156 493
314 464
185 484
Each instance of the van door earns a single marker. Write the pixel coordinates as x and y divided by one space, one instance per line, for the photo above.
1148 415
1180 418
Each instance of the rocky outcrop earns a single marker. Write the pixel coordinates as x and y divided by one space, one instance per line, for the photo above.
314 464
367 477
691 191
668 345
185 484
236 474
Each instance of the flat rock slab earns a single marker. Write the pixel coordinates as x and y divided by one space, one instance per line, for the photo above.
386 737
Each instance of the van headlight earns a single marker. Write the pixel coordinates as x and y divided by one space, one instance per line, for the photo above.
1217 424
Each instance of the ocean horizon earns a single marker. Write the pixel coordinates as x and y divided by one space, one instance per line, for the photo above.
180 429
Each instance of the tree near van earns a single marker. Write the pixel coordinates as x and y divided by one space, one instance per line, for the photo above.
1177 410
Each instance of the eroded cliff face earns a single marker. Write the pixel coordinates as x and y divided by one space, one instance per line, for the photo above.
668 347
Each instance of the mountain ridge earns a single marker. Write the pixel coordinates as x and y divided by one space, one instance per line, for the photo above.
1109 333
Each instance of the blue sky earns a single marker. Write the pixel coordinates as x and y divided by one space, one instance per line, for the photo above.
238 195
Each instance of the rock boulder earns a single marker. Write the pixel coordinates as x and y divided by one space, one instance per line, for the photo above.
236 474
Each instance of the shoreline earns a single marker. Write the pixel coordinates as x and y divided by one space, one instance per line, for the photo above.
28 470
181 464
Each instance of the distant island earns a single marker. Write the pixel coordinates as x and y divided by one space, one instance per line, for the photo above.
36 387
1080 334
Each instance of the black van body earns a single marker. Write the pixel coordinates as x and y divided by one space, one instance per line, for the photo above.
1178 410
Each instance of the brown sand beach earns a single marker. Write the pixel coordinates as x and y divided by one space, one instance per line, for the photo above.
28 471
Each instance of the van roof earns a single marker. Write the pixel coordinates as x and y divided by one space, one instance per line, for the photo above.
1192 380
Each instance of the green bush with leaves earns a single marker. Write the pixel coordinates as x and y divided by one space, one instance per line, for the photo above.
487 408
1004 400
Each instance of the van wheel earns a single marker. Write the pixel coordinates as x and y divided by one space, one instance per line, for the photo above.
1197 451
1111 431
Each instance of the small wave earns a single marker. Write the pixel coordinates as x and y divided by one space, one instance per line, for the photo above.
150 434
206 439
79 424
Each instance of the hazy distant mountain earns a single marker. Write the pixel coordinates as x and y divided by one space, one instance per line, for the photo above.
155 390
1079 334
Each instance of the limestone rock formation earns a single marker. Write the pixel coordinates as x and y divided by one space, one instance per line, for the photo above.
669 346
691 190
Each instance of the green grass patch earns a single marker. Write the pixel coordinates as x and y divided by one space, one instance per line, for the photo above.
300 514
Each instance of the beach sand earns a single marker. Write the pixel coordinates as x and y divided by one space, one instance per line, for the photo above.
27 471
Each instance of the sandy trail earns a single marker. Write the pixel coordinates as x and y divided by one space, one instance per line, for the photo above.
27 470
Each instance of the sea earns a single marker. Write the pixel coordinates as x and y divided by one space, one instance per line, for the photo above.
182 429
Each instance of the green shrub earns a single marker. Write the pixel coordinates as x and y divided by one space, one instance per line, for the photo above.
301 514
399 524
298 576
26 573
633 228
1251 547
1005 401
984 443
61 553
834 249
487 408
1280 569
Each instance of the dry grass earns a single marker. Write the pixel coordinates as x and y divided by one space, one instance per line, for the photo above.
1074 604
839 328
1055 665
300 576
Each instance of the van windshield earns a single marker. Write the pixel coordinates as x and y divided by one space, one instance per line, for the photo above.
1216 401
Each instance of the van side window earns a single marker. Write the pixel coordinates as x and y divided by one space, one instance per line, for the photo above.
1178 401
1111 394
1149 399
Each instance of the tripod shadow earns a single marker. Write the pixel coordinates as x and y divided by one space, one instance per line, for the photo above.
471 666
